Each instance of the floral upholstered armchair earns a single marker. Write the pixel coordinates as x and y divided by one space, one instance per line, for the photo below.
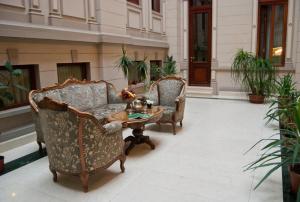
76 142
169 92
98 98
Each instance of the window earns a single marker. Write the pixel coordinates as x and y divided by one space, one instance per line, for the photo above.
134 1
68 70
195 3
272 25
25 80
156 5
155 69
134 75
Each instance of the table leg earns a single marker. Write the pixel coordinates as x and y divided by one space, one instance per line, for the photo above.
138 138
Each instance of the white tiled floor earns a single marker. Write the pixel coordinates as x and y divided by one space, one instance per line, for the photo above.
202 163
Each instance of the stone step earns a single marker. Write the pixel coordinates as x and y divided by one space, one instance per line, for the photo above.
199 91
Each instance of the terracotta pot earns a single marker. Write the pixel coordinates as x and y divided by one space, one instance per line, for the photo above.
1 164
257 99
294 177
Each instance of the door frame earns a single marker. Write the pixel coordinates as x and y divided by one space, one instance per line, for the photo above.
191 11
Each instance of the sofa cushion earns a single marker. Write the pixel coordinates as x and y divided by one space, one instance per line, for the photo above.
169 90
103 111
78 96
167 114
99 94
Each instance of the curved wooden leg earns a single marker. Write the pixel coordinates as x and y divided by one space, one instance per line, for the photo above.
122 161
174 128
181 123
150 143
54 175
40 146
84 177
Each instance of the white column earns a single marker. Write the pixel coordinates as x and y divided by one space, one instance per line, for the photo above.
92 13
150 14
55 5
214 30
164 17
185 29
288 54
35 3
254 25
145 14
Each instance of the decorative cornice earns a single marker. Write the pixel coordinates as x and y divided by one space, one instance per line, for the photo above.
30 31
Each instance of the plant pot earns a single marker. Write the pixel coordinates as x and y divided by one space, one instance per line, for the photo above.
256 99
1 164
294 172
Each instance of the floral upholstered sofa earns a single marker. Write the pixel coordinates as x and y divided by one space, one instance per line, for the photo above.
98 98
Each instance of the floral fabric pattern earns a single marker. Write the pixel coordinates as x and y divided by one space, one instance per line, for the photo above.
102 112
101 145
170 94
169 90
60 129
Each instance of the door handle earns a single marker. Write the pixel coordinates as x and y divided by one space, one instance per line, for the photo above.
192 59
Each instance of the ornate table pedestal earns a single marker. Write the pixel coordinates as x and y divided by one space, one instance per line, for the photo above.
138 126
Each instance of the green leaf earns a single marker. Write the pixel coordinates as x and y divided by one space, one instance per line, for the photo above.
270 172
17 72
21 87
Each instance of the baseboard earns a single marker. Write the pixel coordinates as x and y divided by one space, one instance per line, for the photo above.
17 142
226 95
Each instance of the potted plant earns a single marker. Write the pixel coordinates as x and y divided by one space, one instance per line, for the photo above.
169 67
281 152
128 65
7 83
256 75
281 108
1 164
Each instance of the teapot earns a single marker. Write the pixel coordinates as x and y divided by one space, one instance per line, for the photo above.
137 105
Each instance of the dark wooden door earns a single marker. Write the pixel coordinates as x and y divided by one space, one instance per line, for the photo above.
200 30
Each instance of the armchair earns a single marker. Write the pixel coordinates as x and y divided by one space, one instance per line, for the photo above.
76 142
169 92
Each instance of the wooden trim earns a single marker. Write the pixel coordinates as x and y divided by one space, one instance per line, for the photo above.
32 82
273 3
207 64
134 1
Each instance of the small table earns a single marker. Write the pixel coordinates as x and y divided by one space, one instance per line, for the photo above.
138 126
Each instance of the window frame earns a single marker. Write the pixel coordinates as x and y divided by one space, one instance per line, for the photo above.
155 62
157 8
137 2
84 69
32 81
273 3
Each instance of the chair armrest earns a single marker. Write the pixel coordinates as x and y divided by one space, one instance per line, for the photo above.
112 127
180 102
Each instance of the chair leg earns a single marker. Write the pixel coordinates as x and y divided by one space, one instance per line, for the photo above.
174 128
40 146
181 123
84 177
122 161
54 175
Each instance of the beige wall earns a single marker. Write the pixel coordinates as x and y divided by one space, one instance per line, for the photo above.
46 54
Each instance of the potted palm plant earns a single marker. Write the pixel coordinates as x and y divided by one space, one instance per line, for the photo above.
281 152
281 108
127 65
256 75
169 67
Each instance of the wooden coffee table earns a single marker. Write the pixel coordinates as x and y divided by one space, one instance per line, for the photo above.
138 126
